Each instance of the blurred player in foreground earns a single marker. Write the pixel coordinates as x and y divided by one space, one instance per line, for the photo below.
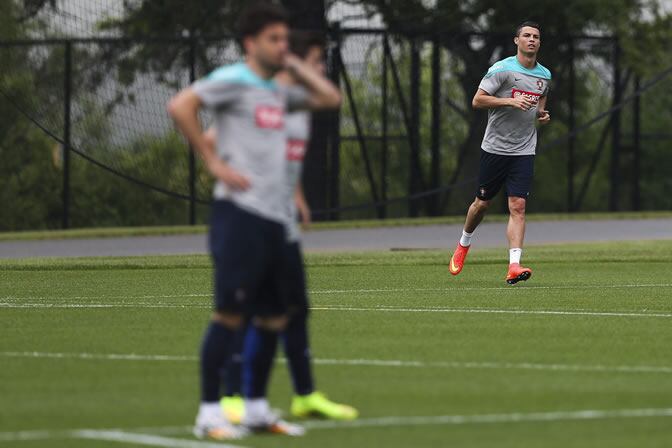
307 401
248 217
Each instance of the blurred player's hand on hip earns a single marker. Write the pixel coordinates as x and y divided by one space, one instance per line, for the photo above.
305 214
543 117
232 178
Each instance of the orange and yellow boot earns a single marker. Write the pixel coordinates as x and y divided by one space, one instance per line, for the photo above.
457 260
517 273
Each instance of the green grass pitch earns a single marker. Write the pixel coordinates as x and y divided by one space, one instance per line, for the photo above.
579 356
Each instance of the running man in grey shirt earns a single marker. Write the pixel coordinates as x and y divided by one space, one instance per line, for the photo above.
514 91
248 218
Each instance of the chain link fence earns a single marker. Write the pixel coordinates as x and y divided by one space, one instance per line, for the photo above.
405 143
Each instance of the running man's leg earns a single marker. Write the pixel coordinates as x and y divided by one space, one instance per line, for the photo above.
475 215
515 230
492 175
518 186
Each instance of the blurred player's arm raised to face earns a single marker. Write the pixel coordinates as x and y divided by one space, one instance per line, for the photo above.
322 93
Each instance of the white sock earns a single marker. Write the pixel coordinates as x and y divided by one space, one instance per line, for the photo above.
256 407
209 410
465 241
514 255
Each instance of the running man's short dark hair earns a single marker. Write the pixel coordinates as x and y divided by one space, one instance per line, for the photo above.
529 23
257 17
300 42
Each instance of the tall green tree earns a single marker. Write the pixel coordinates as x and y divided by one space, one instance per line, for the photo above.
29 174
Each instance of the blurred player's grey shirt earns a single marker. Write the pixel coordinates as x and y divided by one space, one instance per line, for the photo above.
250 115
512 131
297 126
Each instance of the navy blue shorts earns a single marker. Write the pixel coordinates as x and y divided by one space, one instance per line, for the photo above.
516 172
248 252
294 298
295 278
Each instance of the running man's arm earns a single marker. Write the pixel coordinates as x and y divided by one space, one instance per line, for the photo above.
542 114
493 82
322 93
302 206
483 100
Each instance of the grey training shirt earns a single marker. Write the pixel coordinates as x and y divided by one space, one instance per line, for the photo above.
298 133
512 131
250 122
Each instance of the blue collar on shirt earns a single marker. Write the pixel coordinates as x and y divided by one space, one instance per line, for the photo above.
511 64
241 73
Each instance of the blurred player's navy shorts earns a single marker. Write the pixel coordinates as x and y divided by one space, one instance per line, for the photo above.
248 253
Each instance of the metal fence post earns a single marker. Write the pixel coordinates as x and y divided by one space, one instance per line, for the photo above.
384 112
413 209
67 117
616 133
335 127
636 163
572 127
436 124
192 155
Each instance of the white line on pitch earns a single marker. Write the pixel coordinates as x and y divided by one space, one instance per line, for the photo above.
69 433
98 356
489 288
368 362
491 311
515 417
363 291
146 439
353 309
493 418
32 435
100 305
165 296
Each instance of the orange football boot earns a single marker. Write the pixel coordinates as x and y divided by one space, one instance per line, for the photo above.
517 273
457 260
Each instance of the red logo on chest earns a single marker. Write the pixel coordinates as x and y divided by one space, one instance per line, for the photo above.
532 96
269 117
296 150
